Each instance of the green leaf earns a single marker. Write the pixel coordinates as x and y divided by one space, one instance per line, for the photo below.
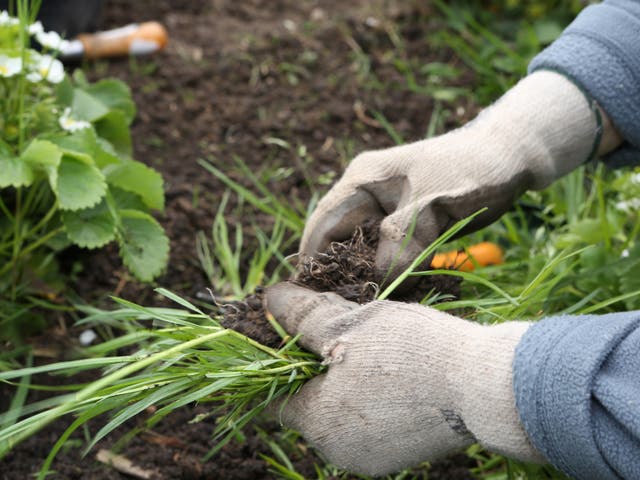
144 247
124 200
85 145
115 95
586 231
79 185
64 92
86 107
81 145
105 153
547 30
136 177
113 127
90 227
14 172
42 152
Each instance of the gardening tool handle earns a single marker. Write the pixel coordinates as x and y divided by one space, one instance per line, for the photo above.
133 39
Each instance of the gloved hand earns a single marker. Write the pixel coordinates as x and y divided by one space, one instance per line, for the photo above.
405 383
538 131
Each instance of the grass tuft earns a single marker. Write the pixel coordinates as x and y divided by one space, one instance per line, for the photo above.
192 358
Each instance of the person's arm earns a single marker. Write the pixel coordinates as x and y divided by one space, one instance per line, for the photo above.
577 385
600 52
577 379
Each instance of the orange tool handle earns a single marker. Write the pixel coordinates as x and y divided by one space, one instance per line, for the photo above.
134 39
482 254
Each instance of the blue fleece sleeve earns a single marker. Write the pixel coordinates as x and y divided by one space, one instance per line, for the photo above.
577 387
600 51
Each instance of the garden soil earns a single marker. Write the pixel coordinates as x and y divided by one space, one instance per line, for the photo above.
287 87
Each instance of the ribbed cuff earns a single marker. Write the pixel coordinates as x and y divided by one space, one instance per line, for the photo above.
555 369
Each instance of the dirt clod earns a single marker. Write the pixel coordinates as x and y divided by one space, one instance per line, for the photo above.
249 317
346 268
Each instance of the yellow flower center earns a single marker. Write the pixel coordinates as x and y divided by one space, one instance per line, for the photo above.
3 70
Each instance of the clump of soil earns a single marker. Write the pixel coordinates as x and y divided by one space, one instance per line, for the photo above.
346 268
249 317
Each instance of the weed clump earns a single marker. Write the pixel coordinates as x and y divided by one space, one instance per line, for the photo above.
346 268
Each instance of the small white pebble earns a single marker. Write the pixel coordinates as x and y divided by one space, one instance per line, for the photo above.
460 111
87 337
318 14
372 22
289 25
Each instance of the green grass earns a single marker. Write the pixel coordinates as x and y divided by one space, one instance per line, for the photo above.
191 358
223 253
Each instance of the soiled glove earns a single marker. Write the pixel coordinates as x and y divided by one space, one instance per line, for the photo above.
541 129
405 383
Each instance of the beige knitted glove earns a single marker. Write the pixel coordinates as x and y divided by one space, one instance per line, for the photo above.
540 130
405 383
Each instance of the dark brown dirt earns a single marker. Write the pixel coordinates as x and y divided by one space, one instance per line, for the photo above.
249 317
263 81
346 268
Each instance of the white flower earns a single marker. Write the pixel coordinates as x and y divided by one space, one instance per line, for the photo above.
629 206
51 40
7 20
70 124
10 66
36 28
45 67
635 178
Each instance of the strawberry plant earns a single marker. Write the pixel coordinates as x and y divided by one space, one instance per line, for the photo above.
67 176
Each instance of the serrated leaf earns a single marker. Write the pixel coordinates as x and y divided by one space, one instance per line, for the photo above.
86 107
144 247
124 200
42 152
113 127
116 95
90 227
78 185
80 145
14 172
105 153
85 145
136 177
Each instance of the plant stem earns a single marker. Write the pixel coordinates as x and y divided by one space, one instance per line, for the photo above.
22 253
23 12
42 221
6 210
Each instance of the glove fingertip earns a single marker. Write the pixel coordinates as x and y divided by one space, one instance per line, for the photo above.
395 257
